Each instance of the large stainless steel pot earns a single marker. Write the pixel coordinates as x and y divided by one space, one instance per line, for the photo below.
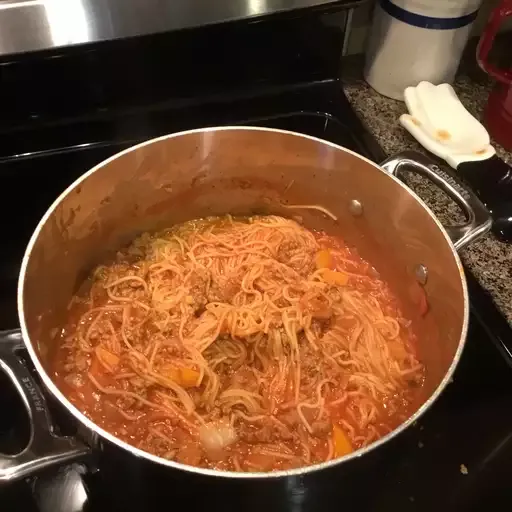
237 170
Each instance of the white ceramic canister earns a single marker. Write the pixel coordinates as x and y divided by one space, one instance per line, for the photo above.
415 40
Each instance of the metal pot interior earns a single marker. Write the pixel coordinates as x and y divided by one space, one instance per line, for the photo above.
243 171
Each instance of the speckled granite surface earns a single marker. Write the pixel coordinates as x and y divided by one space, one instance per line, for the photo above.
489 259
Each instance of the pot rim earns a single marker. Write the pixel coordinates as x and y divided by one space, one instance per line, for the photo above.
84 420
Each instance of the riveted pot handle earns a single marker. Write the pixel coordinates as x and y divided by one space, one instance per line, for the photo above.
478 218
44 448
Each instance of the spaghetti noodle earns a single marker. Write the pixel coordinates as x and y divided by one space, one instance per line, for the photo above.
240 344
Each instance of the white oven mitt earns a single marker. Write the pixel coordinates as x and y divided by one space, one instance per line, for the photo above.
440 123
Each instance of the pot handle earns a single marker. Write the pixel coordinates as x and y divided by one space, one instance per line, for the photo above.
44 448
478 218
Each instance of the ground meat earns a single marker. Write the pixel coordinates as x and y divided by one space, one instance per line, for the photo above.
138 382
312 361
265 431
320 327
214 414
100 335
321 428
316 307
292 254
127 402
81 361
156 445
197 292
170 454
132 288
284 433
223 291
334 293
290 418
414 380
189 454
264 434
75 380
287 250
135 252
309 374
244 378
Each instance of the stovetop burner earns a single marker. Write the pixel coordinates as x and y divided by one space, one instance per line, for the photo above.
458 457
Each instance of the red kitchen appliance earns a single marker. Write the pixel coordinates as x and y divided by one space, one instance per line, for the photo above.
498 112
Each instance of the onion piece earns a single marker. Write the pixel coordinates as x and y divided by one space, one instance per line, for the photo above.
215 437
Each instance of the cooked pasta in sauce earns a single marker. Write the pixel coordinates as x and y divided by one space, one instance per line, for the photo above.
240 344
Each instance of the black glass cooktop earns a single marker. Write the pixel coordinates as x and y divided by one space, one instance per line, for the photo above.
458 457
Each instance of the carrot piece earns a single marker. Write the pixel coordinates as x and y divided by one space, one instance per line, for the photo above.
184 377
107 359
188 377
96 368
100 369
342 444
423 303
333 277
419 298
323 259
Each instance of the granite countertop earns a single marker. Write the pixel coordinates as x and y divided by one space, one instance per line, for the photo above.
489 259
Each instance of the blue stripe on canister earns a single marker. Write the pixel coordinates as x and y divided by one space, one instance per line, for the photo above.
418 20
